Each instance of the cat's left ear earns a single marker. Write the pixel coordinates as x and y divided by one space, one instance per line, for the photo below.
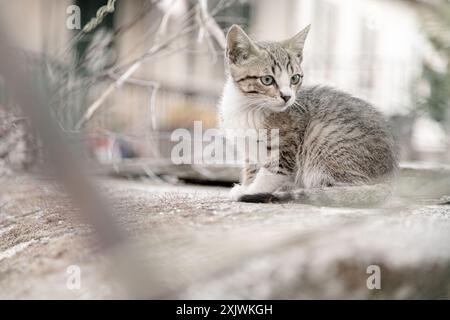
239 45
297 42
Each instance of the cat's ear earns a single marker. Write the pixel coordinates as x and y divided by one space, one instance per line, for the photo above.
239 45
297 42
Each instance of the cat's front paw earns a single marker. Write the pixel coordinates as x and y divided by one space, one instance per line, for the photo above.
237 191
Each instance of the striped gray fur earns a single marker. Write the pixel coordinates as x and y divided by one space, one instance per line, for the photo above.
327 139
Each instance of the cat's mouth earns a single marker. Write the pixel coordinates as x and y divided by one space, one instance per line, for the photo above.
282 106
272 104
279 107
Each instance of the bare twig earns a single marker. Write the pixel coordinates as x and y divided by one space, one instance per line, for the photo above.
164 21
206 22
211 25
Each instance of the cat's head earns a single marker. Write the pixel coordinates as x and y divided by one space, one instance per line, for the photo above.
269 74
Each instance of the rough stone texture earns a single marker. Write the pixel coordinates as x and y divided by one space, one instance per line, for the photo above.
198 244
18 150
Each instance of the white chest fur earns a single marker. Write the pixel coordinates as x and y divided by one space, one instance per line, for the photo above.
236 111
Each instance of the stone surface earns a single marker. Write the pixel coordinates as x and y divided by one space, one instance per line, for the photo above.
195 243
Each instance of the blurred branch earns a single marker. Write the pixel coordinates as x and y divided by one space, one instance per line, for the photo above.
208 23
205 22
127 74
66 168
120 31
102 12
137 278
164 21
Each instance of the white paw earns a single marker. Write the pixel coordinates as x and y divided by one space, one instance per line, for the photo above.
253 189
237 191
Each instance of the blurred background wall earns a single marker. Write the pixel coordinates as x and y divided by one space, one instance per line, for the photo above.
394 53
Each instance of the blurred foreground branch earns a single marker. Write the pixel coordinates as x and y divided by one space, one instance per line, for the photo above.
70 171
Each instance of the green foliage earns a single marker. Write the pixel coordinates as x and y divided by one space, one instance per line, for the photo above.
437 102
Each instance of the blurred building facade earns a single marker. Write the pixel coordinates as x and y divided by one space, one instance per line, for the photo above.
371 48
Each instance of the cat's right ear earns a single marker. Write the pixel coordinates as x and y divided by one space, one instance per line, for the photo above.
297 42
239 45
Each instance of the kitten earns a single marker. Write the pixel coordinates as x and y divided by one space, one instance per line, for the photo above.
327 138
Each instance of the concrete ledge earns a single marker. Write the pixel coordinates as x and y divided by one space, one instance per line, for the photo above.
201 245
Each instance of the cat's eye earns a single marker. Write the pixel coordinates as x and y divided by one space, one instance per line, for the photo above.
267 80
295 79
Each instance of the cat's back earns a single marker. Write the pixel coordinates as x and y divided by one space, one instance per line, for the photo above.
327 106
345 130
321 101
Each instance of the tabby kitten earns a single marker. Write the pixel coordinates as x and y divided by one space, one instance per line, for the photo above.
327 138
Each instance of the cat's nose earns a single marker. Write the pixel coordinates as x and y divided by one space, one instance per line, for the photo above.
286 97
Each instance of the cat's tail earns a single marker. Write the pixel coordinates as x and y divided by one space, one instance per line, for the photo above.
345 196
